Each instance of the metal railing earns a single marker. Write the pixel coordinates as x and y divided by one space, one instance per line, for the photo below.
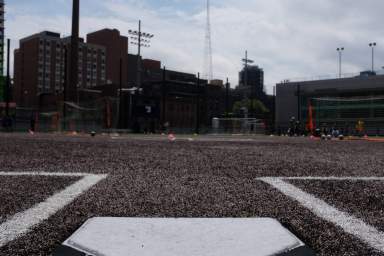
331 77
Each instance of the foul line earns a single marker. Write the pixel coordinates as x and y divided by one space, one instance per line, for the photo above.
331 178
348 223
23 222
48 174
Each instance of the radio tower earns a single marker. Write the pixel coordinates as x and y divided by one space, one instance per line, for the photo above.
208 66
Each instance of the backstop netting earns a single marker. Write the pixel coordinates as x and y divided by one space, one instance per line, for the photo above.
352 116
238 126
98 115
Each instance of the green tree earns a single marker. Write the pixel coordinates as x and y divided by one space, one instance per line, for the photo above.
255 106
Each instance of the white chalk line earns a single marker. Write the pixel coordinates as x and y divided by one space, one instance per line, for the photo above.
331 178
21 223
48 174
350 224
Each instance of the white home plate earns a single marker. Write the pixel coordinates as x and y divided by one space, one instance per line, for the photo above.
187 237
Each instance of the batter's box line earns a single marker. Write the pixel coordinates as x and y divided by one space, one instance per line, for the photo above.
23 222
350 224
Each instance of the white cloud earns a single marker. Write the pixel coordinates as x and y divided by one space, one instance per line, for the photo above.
296 38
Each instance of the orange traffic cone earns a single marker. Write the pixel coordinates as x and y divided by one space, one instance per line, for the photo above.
171 137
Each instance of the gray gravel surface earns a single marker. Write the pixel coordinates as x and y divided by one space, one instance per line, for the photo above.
206 177
362 199
21 193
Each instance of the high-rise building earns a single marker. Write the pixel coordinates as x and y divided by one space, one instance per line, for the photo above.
116 50
39 67
251 81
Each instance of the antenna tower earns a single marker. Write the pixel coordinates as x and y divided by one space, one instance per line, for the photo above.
208 64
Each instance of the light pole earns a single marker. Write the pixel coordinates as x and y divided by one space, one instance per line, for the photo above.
340 50
197 128
373 45
140 39
227 87
8 84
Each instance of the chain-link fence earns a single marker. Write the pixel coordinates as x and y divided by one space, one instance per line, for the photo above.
98 115
238 126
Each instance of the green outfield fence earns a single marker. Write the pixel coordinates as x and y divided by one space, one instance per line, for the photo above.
352 116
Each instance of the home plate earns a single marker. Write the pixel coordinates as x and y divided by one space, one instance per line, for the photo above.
187 237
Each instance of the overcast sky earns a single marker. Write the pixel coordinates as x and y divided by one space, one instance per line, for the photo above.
287 38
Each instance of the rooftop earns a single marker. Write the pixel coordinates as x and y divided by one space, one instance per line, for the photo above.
362 74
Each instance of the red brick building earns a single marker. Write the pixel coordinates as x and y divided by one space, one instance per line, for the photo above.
39 68
117 49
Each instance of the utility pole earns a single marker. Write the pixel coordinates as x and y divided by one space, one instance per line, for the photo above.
247 61
120 93
227 85
65 86
8 83
197 130
141 39
163 97
139 67
299 102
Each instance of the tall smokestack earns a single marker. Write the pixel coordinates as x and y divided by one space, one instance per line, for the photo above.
74 51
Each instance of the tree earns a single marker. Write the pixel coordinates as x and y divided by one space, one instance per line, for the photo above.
257 106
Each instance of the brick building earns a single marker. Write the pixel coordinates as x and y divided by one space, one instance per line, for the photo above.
117 49
174 98
166 96
40 70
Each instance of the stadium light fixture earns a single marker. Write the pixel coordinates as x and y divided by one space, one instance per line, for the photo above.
141 39
340 51
373 45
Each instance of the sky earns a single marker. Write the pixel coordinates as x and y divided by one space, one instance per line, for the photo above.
289 39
